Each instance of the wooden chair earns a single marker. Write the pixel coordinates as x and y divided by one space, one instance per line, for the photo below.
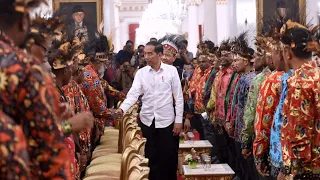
138 173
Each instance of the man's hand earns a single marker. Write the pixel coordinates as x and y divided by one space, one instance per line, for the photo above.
262 168
81 121
177 129
281 176
229 129
118 114
66 111
187 125
246 153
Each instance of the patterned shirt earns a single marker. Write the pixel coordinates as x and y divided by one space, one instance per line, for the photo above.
27 95
223 81
212 101
110 91
79 102
92 89
275 144
300 133
208 87
197 84
244 82
250 109
230 104
268 99
13 151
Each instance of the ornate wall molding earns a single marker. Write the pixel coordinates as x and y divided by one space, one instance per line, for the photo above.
193 2
221 2
117 3
136 7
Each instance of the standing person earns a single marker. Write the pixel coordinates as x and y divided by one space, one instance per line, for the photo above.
138 57
184 56
125 76
241 65
196 88
161 123
300 128
28 95
268 99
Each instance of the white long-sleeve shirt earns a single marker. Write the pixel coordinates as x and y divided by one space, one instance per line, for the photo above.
158 89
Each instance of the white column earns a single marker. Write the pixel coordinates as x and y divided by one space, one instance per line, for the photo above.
232 18
210 20
193 26
117 43
313 12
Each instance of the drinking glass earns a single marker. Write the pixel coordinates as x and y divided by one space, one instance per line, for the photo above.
207 164
190 137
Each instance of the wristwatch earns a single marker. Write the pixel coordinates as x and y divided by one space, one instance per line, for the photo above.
66 128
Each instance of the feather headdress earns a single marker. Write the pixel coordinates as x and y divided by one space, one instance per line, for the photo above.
64 55
171 42
241 48
9 6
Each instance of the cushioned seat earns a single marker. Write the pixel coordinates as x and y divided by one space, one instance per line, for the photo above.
111 132
111 144
100 177
108 140
103 152
114 158
104 169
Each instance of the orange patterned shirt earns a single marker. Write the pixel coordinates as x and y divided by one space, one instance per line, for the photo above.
300 133
197 85
268 100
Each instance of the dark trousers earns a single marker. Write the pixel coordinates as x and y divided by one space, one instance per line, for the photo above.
221 144
162 151
196 123
241 162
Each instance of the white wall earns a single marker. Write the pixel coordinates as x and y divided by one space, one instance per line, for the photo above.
312 11
246 9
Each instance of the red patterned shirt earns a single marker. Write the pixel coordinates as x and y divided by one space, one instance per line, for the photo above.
300 133
197 84
92 89
221 93
267 103
79 102
13 151
27 95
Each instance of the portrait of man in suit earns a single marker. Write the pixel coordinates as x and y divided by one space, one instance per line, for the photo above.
78 26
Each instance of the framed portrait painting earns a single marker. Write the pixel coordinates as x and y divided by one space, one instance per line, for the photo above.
82 17
282 9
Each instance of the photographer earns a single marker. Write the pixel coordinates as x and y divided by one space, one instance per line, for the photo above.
138 56
124 76
126 53
183 57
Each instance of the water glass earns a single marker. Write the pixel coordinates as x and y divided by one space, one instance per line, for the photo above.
190 136
207 165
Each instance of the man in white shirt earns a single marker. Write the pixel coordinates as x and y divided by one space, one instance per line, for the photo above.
161 123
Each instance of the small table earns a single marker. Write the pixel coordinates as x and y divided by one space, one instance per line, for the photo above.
216 172
201 146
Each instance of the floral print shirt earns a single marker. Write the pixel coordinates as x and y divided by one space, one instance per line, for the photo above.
268 99
13 151
275 144
92 89
223 82
250 109
231 108
197 85
208 87
78 101
27 95
244 87
300 133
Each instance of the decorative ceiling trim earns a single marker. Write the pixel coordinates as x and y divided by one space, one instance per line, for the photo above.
221 2
124 8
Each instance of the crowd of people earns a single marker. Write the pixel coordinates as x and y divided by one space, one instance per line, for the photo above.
258 108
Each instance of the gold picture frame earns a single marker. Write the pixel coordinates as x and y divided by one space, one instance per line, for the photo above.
260 13
56 4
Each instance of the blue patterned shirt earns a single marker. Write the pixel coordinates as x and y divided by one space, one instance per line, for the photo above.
275 150
244 82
